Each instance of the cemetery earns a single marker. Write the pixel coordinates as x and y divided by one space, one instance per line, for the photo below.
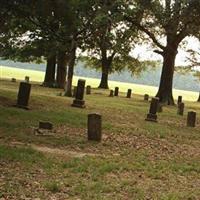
64 136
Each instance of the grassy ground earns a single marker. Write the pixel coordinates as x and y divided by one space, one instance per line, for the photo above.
8 72
136 159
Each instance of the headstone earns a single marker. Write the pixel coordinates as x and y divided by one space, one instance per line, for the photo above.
181 107
116 91
88 89
146 97
179 100
160 108
191 119
129 93
151 116
27 79
23 95
74 91
78 101
111 93
94 127
45 125
13 80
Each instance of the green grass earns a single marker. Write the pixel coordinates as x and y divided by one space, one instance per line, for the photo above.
135 160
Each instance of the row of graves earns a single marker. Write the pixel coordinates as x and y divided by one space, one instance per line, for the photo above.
94 125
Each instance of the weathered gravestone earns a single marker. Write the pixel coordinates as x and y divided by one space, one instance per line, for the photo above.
45 125
94 127
88 89
191 119
151 116
179 100
116 91
78 101
74 91
23 95
111 93
27 79
181 107
146 97
13 80
129 93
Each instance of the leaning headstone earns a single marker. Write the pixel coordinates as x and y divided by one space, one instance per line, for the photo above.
111 93
45 125
13 80
78 101
179 100
27 79
191 119
181 107
152 116
146 97
94 127
116 91
129 93
74 91
88 89
23 95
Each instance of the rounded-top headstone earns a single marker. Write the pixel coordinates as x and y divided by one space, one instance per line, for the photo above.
129 93
146 97
116 93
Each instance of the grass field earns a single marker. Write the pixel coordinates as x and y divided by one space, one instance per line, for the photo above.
136 159
8 72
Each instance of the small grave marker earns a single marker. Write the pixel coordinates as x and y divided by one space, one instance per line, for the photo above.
78 101
88 89
181 107
116 91
146 97
94 127
111 93
151 116
129 93
23 95
191 119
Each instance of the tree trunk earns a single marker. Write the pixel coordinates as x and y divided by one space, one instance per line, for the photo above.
198 98
166 82
61 69
70 73
49 79
104 76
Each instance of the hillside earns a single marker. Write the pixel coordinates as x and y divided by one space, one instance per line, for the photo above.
136 159
149 77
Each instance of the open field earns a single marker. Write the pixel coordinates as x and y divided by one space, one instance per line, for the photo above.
136 159
8 72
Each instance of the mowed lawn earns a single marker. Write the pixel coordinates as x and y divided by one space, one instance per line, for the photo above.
136 159
8 72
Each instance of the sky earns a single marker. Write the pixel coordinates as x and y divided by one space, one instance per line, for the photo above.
145 52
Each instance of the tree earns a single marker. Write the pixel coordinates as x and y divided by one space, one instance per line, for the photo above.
110 40
173 20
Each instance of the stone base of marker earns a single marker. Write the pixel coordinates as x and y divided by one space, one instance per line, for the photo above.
23 95
151 117
78 103
111 93
129 93
146 97
45 125
94 127
191 119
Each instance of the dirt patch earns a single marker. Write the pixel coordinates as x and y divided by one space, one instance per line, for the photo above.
4 101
